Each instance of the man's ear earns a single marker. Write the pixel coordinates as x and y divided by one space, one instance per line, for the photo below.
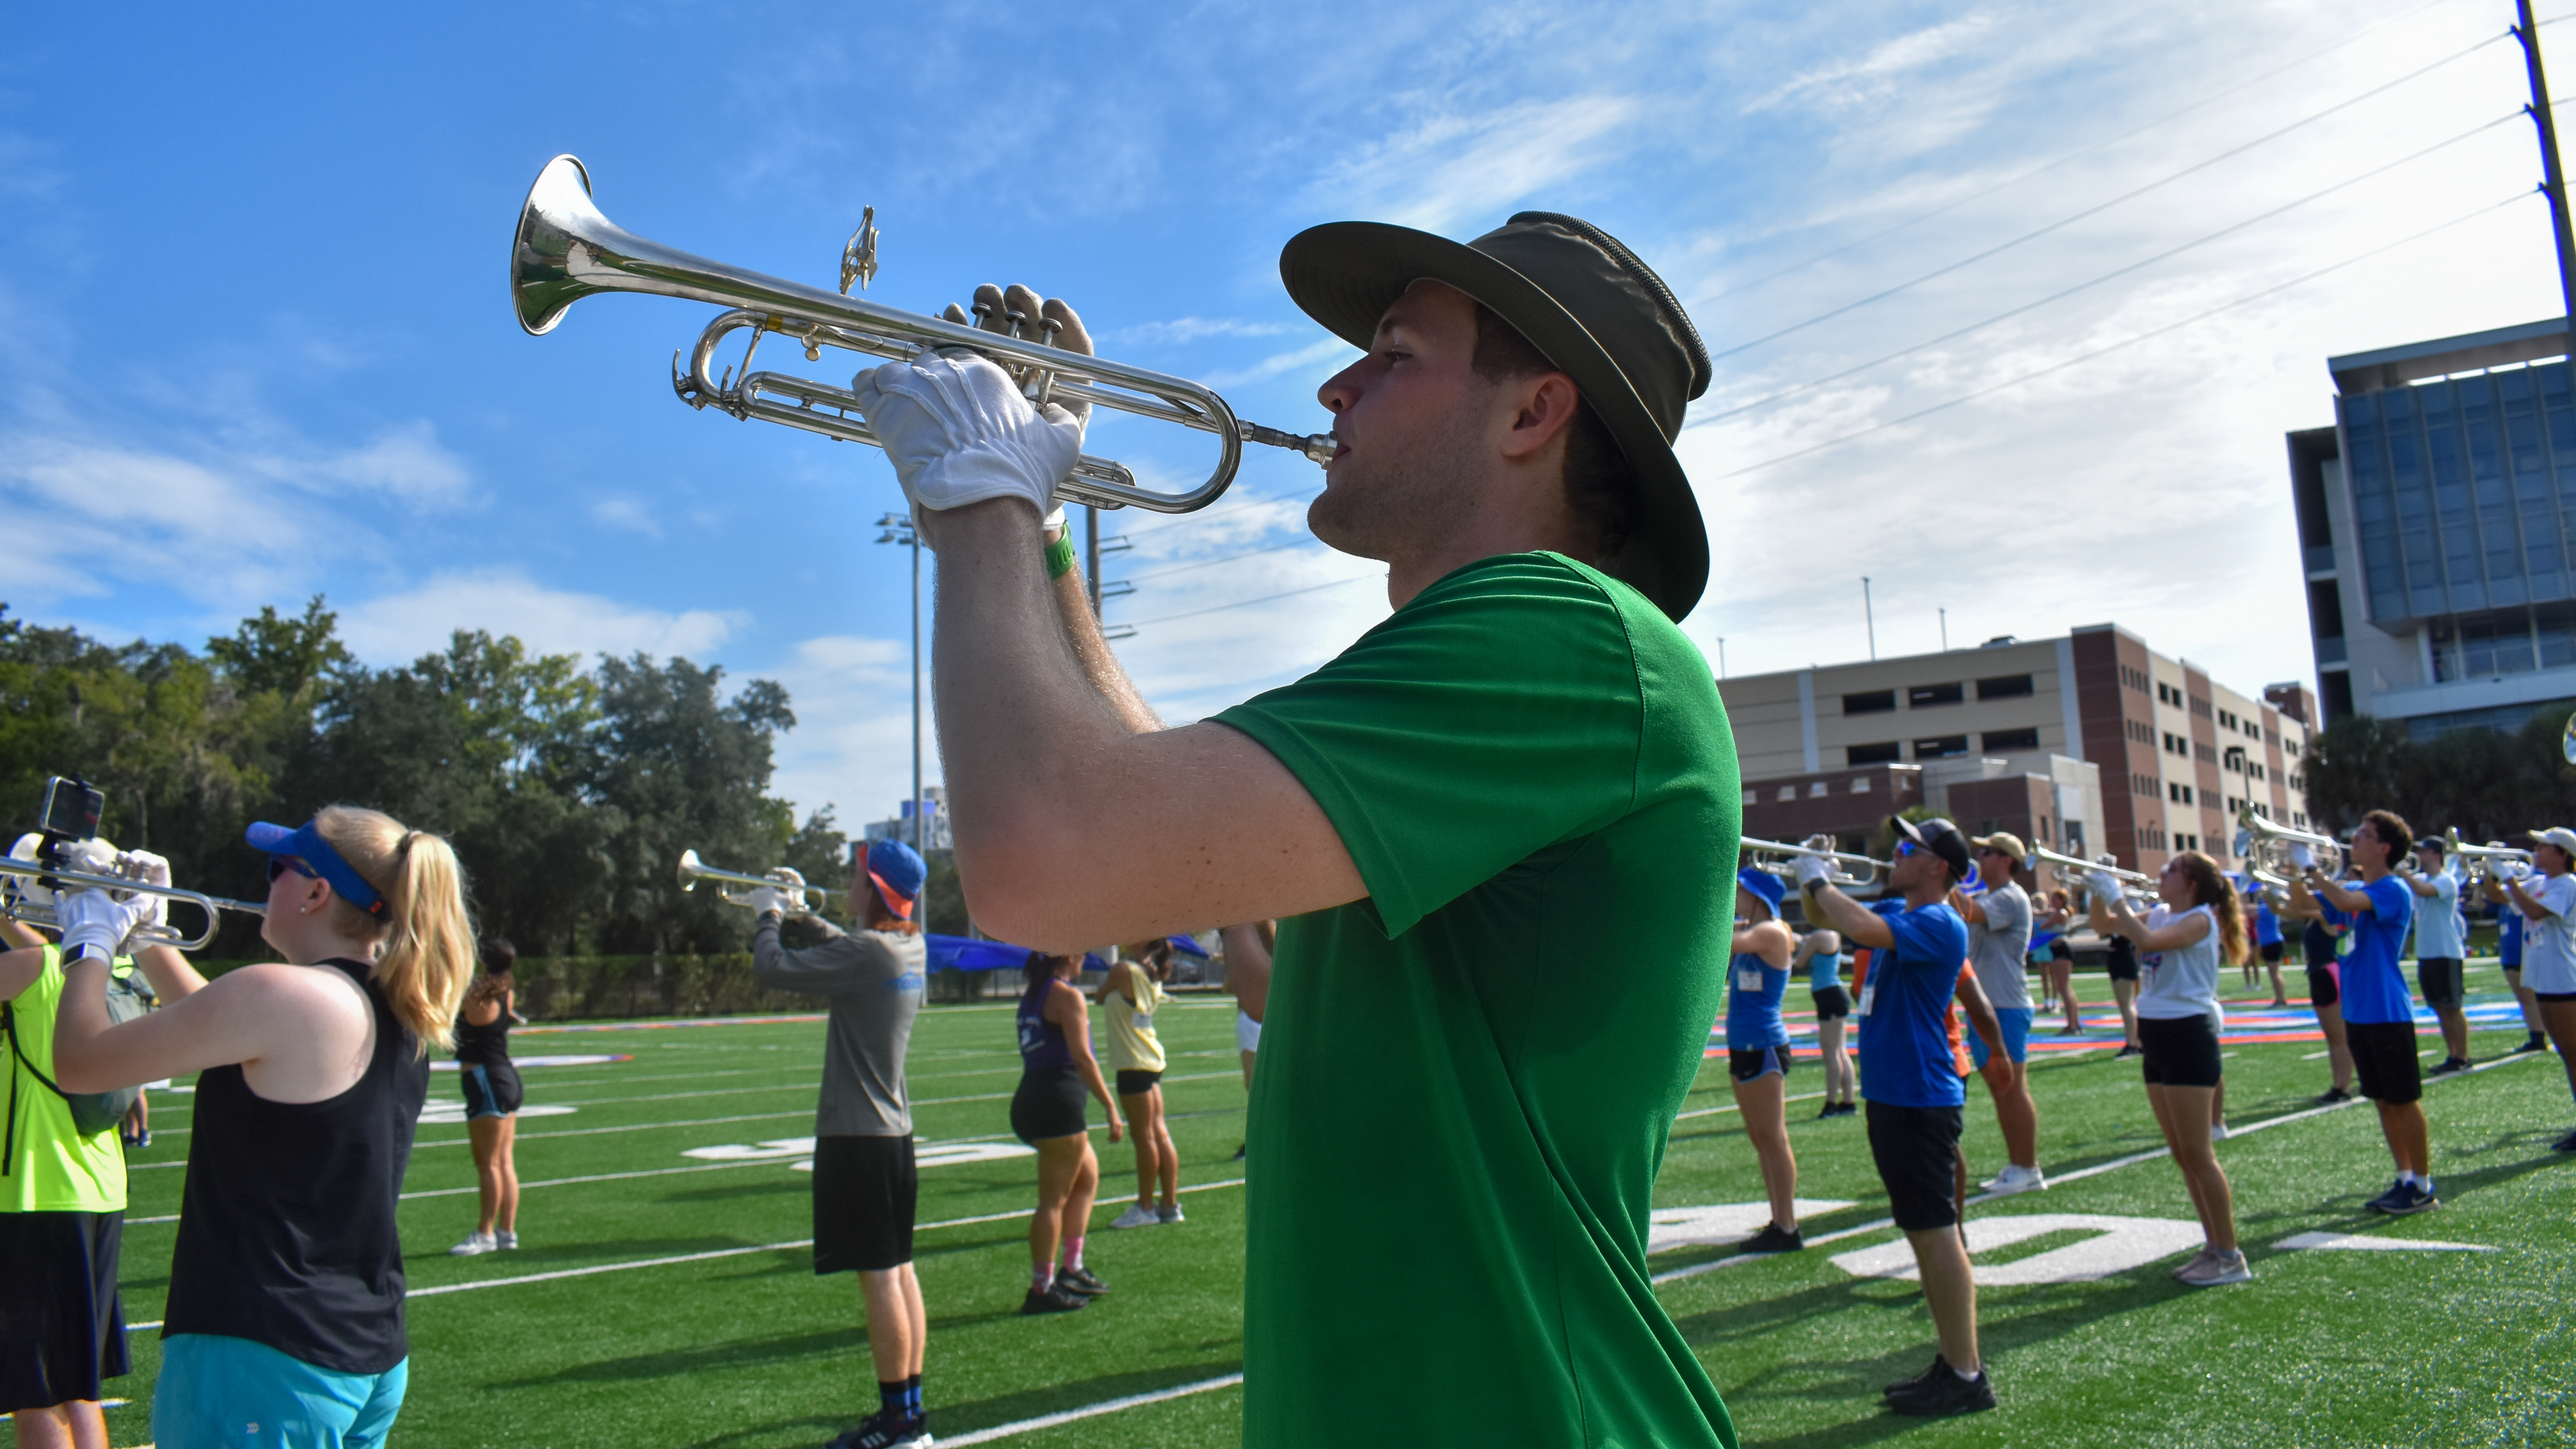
1543 407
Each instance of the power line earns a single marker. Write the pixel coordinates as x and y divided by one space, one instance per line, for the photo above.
2123 343
2095 210
2083 151
1264 599
1952 336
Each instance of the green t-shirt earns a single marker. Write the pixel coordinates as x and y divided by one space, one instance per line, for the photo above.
1466 1078
54 1169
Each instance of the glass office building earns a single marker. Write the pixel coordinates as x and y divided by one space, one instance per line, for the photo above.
2437 523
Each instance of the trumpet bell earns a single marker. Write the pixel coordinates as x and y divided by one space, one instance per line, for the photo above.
558 214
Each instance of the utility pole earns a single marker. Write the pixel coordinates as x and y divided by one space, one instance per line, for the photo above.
1869 616
1721 656
2553 183
1945 631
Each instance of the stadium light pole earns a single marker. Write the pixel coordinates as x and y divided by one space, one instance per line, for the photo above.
898 529
2553 182
1869 616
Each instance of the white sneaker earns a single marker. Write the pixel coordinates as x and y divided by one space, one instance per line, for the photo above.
2193 1262
2217 1270
474 1244
506 1242
1169 1215
1137 1216
2217 1131
2016 1178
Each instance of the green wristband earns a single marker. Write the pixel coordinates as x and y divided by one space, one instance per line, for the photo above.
1059 556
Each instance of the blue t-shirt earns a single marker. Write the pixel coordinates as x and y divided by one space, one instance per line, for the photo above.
2374 989
1753 990
2437 919
1824 971
1905 1056
2509 934
2267 927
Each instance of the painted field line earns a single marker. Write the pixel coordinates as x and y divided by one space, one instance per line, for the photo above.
549 1182
1106 1406
1694 1270
1716 1111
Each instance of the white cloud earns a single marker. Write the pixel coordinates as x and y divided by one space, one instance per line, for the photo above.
1458 165
628 514
1850 82
1191 329
852 745
82 516
1277 363
398 628
406 462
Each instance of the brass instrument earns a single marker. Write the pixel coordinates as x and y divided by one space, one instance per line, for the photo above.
29 891
2479 862
2268 844
565 250
1773 858
2137 886
737 887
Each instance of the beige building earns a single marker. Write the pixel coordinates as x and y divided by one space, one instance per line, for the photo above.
2084 743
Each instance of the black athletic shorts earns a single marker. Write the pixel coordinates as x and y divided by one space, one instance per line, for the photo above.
2124 959
2439 976
1137 1084
2272 953
1756 1062
1048 1104
2323 988
1832 1004
62 1326
2180 1051
2553 996
1917 1152
2383 1058
865 1192
491 1090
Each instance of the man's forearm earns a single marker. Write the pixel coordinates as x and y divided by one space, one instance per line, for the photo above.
1091 654
1851 919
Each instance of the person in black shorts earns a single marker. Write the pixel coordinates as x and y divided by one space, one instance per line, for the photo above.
1820 951
1056 1070
2123 967
492 1098
2325 997
865 1183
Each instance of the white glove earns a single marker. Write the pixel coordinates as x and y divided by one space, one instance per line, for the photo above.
2302 857
768 899
1814 870
95 918
959 432
2105 887
144 866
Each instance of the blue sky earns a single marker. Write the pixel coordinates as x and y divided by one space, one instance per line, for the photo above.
254 342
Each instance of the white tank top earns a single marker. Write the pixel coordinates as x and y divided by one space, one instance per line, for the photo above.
2182 982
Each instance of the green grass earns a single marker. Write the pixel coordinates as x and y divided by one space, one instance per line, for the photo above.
753 1350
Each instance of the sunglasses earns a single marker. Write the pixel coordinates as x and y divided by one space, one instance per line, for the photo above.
279 865
1908 847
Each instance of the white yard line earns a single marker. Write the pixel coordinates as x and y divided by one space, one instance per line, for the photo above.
1087 1411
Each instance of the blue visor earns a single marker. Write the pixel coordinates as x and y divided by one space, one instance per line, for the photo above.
307 845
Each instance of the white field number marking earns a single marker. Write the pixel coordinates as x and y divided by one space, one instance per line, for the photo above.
1669 1228
2380 1245
925 1154
2118 1246
452 1114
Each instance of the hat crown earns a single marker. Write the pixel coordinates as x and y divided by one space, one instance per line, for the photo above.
1619 300
898 865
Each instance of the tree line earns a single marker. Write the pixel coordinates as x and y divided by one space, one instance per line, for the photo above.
2487 784
569 791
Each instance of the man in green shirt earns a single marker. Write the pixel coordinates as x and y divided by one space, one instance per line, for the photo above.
1490 825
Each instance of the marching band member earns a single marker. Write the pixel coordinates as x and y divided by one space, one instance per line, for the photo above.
2322 941
492 1098
1530 742
1056 1069
2378 1014
1821 951
2548 906
286 1285
1757 1049
1999 925
2509 933
1130 995
2440 951
2182 942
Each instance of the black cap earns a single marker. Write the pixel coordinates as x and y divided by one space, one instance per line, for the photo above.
1591 308
1939 837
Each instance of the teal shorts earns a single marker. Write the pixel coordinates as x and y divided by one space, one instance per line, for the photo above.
231 1393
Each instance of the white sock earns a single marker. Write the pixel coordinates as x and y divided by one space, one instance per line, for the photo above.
2405 1176
1965 1377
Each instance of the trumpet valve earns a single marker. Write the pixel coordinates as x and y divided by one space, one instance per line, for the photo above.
859 256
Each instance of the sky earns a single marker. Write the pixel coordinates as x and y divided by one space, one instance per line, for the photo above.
2011 303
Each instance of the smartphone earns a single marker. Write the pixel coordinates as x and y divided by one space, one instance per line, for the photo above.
72 809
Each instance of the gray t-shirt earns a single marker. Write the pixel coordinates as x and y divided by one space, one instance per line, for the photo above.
2000 944
874 980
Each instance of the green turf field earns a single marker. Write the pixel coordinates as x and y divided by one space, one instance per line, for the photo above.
708 1326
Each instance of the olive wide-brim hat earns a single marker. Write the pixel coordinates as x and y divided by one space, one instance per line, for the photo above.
1591 307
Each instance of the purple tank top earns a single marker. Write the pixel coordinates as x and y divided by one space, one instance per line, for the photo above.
1042 1045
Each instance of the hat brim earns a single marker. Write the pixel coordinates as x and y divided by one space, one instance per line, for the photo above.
1345 275
271 839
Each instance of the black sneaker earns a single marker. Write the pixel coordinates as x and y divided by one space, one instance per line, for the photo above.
2131 1050
1940 1365
2332 1095
886 1431
2404 1199
1238 1153
1772 1240
1831 1109
1053 1299
1848 1109
1079 1280
1945 1394
2449 1066
2564 1144
2532 1043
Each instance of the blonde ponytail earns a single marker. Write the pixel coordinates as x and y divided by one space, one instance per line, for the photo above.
428 943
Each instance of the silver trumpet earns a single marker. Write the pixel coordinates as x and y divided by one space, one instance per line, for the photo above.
737 887
28 891
566 250
2480 861
1773 858
2267 843
2137 885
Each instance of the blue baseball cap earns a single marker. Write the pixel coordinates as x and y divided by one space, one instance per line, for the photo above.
306 844
1764 884
898 871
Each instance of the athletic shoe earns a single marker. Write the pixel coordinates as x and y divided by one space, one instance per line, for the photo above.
2123 1052
2217 1131
2332 1095
2532 1043
1940 1366
2017 1178
2194 1261
2564 1144
1830 1109
2404 1199
2217 1268
883 1430
1848 1109
506 1242
1079 1280
2447 1067
1052 1299
1946 1394
1772 1240
1169 1215
1137 1216
474 1244
1238 1153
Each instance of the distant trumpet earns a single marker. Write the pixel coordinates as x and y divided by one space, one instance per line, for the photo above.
2138 886
737 888
2481 861
1774 858
30 891
2269 844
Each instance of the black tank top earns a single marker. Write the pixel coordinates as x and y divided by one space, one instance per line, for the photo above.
286 1227
1042 1047
483 1046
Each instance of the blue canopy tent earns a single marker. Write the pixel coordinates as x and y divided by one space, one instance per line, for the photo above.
963 953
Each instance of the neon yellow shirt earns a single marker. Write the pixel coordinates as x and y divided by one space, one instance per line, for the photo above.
54 1169
1133 1047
